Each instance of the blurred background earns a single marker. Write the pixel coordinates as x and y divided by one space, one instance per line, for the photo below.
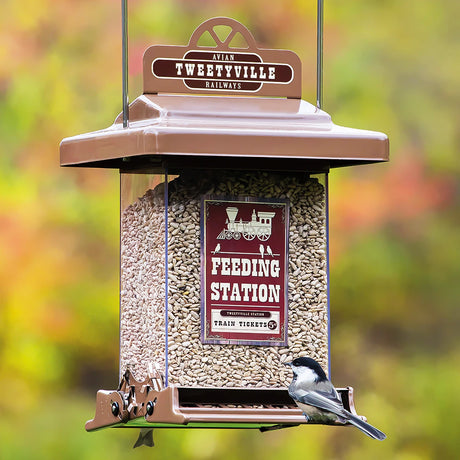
389 66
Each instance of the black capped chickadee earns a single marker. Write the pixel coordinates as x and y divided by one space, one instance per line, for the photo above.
316 396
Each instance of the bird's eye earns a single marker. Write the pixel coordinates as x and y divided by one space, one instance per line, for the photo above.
295 364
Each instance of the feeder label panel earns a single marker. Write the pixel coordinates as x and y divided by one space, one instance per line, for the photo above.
222 68
244 271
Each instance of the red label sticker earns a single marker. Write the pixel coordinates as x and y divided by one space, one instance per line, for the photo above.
244 271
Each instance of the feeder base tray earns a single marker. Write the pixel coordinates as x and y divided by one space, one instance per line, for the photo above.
150 404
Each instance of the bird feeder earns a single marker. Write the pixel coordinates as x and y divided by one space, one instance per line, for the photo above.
224 234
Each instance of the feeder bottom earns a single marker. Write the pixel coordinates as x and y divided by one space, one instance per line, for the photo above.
148 404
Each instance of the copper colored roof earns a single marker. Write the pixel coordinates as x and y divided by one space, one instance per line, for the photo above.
179 128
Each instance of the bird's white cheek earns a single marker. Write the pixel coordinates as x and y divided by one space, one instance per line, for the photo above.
306 375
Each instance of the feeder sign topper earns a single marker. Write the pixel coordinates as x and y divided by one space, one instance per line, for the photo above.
222 69
244 271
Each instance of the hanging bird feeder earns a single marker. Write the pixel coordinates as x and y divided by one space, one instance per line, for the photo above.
224 234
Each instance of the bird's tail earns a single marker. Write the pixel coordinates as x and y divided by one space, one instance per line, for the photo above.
365 427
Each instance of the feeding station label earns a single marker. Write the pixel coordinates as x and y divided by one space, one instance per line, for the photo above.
244 271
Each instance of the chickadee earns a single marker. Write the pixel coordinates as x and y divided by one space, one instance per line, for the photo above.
316 396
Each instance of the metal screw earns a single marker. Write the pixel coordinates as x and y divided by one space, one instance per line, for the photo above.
149 408
115 408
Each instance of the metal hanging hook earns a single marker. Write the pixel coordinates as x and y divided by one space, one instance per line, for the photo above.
319 54
124 40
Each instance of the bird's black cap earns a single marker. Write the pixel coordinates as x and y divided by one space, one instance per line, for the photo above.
305 361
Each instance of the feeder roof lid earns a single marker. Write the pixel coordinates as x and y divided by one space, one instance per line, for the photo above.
252 111
165 127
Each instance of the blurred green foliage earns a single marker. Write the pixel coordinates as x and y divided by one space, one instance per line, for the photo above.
390 66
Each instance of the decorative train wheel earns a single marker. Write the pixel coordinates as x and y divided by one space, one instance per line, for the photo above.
249 234
263 235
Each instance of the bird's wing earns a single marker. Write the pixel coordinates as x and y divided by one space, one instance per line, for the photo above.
322 400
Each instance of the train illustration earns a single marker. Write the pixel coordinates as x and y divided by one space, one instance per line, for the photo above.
259 226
